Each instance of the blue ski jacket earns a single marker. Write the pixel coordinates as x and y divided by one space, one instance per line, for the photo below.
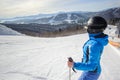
92 51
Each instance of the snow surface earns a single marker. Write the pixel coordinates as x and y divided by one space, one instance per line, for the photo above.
32 58
111 30
7 31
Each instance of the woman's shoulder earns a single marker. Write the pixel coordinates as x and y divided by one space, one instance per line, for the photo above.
92 42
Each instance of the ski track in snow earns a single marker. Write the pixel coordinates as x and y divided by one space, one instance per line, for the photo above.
32 58
27 74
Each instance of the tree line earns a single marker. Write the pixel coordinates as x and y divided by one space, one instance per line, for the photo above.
45 29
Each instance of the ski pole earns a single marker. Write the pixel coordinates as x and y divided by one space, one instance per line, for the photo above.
69 73
71 60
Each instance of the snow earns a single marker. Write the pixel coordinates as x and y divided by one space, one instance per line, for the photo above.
7 31
32 58
69 18
111 30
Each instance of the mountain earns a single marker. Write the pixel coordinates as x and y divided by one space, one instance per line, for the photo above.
25 19
64 17
110 13
7 31
57 18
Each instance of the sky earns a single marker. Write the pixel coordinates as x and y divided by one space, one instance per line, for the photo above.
13 8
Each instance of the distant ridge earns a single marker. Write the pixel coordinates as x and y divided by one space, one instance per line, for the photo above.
64 17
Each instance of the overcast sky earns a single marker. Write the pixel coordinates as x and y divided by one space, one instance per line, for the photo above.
13 8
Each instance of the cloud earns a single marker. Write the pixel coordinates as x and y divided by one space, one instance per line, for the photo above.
21 7
12 8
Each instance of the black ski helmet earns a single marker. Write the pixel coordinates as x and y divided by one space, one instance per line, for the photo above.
96 24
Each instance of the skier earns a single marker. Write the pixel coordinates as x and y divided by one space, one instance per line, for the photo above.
92 50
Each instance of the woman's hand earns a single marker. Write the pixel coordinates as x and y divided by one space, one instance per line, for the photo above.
70 64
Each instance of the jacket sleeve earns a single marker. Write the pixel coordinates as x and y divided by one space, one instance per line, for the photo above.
94 55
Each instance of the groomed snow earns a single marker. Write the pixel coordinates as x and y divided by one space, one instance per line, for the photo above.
32 58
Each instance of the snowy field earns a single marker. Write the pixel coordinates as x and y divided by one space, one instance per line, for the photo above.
32 58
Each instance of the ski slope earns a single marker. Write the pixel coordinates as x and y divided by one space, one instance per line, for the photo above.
8 31
33 58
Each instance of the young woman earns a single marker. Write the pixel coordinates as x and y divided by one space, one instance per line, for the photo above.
92 50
